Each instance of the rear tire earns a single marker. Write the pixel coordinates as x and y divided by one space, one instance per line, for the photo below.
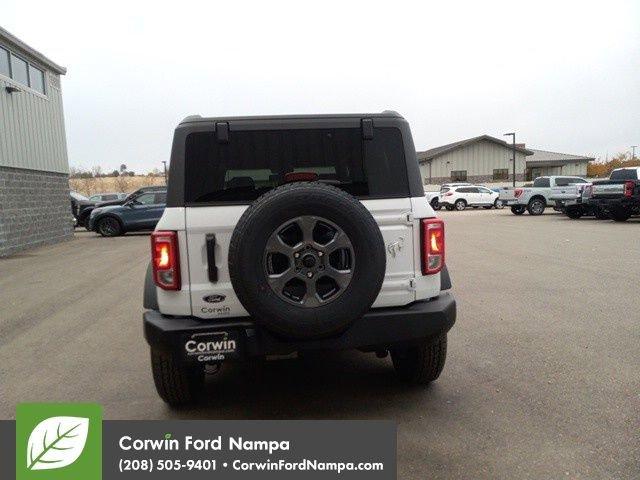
460 205
423 363
498 204
518 209
536 206
84 222
621 215
176 384
573 213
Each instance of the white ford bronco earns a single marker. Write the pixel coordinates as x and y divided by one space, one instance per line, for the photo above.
292 233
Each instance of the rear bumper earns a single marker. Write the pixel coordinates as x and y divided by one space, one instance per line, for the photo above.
511 202
377 329
630 203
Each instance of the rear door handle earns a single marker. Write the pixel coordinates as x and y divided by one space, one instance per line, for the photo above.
211 257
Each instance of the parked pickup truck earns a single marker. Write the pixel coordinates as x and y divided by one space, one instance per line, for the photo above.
619 196
571 200
536 198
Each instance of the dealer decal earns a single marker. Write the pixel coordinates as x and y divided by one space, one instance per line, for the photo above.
210 347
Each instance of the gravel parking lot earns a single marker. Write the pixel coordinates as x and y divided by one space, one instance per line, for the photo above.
542 378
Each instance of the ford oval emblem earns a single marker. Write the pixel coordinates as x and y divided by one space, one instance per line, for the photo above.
214 298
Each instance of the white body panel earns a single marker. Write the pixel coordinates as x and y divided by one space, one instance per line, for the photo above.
507 195
570 192
176 302
398 220
483 197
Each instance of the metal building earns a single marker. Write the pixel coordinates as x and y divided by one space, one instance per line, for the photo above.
480 159
553 163
34 170
487 159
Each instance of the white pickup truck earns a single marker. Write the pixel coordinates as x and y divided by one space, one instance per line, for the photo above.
536 198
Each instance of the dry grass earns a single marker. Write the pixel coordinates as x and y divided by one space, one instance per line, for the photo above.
91 186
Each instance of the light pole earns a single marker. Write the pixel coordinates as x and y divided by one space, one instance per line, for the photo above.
633 149
513 134
164 162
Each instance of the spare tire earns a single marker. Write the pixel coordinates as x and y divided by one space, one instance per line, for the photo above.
306 260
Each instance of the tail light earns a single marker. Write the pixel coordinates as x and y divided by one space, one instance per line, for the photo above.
166 260
432 245
518 192
628 188
300 177
448 194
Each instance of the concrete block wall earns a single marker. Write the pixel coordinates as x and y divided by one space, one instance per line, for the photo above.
35 209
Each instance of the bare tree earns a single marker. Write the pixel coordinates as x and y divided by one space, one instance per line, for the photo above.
122 183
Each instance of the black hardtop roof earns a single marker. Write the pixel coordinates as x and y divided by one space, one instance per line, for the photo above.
258 118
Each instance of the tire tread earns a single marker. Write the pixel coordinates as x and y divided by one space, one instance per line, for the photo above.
175 384
423 364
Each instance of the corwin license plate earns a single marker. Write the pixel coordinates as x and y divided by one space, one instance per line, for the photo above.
212 346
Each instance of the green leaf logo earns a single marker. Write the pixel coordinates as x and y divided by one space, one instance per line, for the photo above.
56 442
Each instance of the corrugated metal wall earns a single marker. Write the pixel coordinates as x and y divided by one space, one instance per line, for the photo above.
480 158
578 169
32 134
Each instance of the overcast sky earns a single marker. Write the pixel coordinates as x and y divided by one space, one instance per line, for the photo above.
564 75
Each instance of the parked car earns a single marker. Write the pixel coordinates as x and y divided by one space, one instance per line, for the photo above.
139 213
499 203
106 197
459 198
136 193
263 253
81 206
432 198
619 196
536 198
84 218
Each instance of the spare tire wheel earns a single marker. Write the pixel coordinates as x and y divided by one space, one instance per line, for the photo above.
306 260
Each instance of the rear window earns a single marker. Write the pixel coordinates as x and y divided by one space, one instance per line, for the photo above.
541 182
563 182
624 174
253 162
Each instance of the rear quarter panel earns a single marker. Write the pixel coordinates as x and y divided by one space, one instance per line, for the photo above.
400 233
175 302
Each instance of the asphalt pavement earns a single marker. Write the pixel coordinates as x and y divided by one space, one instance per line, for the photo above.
542 377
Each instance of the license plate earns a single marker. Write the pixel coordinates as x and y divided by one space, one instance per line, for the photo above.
212 346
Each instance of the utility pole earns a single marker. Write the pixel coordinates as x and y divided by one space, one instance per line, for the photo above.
512 134
164 162
633 149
